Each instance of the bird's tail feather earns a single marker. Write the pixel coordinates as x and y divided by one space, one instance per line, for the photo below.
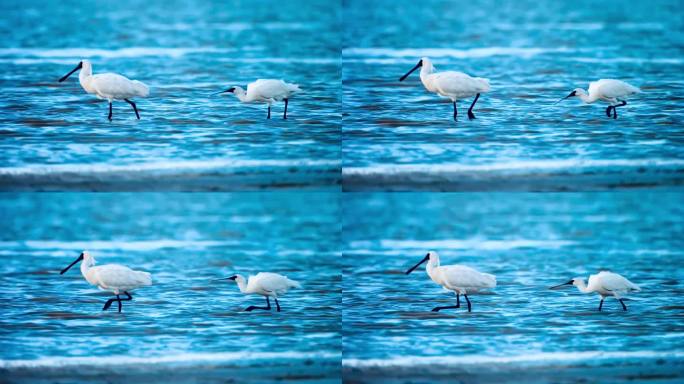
491 280
484 84
142 89
293 87
293 284
145 278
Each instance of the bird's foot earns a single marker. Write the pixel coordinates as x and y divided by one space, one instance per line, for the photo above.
107 305
250 308
471 115
608 111
436 309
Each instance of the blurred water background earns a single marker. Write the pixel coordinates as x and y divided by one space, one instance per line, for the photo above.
54 136
521 331
185 327
398 136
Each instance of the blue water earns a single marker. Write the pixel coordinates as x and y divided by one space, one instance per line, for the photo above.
530 242
184 318
55 136
398 136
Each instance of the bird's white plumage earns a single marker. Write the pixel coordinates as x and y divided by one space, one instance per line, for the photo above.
110 86
113 277
458 278
609 90
266 284
266 91
451 84
607 283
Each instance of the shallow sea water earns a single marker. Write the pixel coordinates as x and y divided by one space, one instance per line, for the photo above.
530 242
398 136
54 136
53 325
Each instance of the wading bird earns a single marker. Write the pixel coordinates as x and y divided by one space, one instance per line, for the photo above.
604 284
450 84
110 86
266 284
265 91
111 277
614 92
459 279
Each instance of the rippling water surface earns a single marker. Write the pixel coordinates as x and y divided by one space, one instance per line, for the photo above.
54 324
530 242
55 136
399 136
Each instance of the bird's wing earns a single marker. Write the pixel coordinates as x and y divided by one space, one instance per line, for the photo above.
117 86
452 82
462 276
119 276
613 282
612 88
267 89
268 281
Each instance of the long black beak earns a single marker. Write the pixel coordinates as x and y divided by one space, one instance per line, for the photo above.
566 97
420 64
231 89
79 66
226 278
80 257
426 258
562 285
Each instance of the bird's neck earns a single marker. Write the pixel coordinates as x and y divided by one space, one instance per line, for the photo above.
582 287
85 77
85 266
242 285
587 98
241 95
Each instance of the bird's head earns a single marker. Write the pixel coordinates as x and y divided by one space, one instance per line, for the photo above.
577 92
84 256
237 91
431 256
577 282
236 278
424 62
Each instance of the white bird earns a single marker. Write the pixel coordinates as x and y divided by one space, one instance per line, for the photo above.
605 284
456 278
450 84
265 91
265 284
110 86
111 277
614 92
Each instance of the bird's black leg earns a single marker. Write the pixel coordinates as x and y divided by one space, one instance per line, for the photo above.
277 305
608 110
134 108
624 307
266 308
622 104
110 111
458 304
269 112
470 110
109 303
600 305
466 296
455 111
120 300
284 117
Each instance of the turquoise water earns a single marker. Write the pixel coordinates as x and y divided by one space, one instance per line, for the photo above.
398 136
54 136
530 242
55 322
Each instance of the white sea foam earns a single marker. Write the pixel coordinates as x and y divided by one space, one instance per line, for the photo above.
166 166
532 359
148 245
450 52
181 359
108 53
522 167
475 243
